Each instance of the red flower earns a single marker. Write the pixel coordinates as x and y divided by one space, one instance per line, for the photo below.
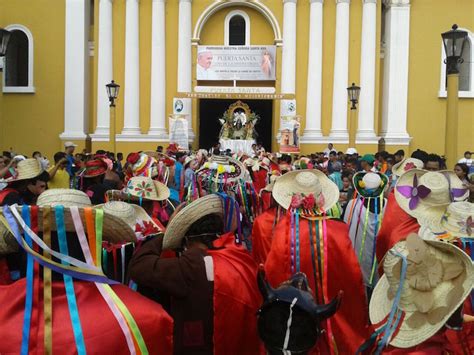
296 201
309 202
148 228
409 166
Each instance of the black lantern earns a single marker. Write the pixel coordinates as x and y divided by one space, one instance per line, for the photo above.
353 92
454 41
112 92
4 38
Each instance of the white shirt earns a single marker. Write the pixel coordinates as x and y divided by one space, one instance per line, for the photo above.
206 74
468 162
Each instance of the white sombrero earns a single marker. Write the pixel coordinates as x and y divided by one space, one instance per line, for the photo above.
64 197
406 164
26 169
438 279
305 182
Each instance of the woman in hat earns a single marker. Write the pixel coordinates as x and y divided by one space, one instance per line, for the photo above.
212 286
364 215
95 184
69 305
307 240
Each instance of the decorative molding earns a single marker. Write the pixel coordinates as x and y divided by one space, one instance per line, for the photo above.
320 1
71 136
398 3
19 89
370 1
442 94
396 140
219 5
343 2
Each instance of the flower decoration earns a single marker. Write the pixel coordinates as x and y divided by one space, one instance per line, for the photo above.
145 229
307 202
409 166
467 226
143 189
362 184
296 201
414 193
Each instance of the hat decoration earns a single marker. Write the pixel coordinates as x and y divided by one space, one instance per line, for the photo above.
414 193
405 165
57 218
424 283
142 164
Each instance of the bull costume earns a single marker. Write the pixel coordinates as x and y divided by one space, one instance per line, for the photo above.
307 240
211 314
56 307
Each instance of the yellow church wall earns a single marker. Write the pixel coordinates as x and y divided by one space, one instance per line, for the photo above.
426 111
34 121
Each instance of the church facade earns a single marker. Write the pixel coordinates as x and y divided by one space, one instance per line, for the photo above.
195 58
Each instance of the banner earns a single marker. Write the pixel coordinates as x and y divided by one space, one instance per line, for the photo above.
236 63
179 131
290 135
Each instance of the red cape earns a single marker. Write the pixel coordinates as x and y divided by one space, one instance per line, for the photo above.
236 299
102 333
262 233
260 179
350 323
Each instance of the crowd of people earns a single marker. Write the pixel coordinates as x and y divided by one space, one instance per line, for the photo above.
221 252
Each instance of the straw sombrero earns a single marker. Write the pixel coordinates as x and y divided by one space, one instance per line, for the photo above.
439 277
95 167
133 215
416 190
184 217
406 164
222 168
146 188
26 169
448 222
369 184
305 182
115 230
64 197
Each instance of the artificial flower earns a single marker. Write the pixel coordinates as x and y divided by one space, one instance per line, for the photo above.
296 201
467 226
309 202
409 166
414 193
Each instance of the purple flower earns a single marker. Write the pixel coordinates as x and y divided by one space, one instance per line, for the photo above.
468 226
414 193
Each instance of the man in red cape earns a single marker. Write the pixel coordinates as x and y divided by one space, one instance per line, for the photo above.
212 285
325 255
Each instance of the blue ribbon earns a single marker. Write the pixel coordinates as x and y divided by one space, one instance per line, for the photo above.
297 236
25 212
69 285
313 259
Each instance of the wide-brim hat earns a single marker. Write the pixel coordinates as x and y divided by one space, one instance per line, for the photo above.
114 230
369 184
184 217
95 167
64 197
222 168
305 182
406 164
26 169
453 221
450 282
417 190
142 187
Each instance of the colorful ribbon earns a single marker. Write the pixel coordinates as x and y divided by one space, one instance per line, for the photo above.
29 288
47 285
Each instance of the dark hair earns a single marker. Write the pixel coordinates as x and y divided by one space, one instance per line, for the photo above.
58 156
120 155
179 155
400 152
332 152
206 229
44 176
420 154
467 152
464 168
100 152
434 157
35 152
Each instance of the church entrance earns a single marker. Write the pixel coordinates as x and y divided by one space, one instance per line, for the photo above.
210 110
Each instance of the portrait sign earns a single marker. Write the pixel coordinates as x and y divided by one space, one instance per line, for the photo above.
290 135
179 131
236 63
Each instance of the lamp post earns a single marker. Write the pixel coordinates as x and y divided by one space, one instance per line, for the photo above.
453 41
112 93
4 38
353 92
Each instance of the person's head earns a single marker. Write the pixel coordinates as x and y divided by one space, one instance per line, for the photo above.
467 155
420 154
337 166
119 156
330 146
59 158
390 162
204 231
399 155
69 148
340 156
461 170
346 179
4 161
205 59
36 155
382 156
100 152
433 162
367 162
180 156
333 156
159 149
38 184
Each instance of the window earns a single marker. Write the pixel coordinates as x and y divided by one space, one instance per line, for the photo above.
237 29
18 68
466 70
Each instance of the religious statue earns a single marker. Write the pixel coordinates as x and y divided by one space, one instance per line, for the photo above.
238 122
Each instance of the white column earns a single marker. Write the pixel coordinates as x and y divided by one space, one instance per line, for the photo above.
158 71
395 86
131 123
288 60
365 129
341 72
104 73
185 58
76 70
315 68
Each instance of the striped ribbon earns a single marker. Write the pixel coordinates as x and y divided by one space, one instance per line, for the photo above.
29 288
364 230
69 284
312 242
297 239
292 242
